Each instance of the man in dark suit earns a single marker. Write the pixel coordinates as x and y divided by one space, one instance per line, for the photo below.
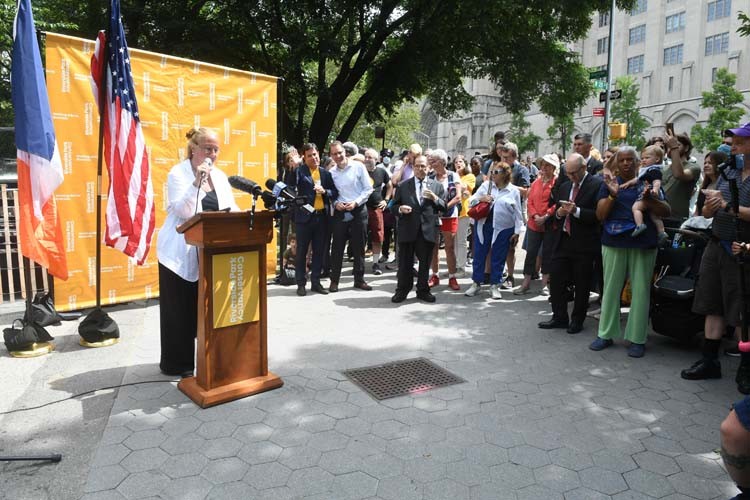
579 242
316 185
417 202
582 145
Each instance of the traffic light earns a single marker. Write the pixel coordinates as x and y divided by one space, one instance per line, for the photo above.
618 130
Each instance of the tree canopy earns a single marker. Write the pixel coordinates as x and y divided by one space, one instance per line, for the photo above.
626 110
389 51
723 100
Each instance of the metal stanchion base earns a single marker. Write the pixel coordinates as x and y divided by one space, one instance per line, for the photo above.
36 349
103 343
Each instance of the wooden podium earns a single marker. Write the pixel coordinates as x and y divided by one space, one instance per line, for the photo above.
232 360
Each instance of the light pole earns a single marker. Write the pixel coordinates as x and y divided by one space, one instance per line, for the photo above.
417 132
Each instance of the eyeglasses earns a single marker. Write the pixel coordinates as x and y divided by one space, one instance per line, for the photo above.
498 172
210 149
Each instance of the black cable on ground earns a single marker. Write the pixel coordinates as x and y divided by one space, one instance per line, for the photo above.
83 394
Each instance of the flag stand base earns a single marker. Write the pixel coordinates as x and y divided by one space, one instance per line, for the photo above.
36 349
103 343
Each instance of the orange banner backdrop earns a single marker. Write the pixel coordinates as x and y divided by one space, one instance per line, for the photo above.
173 96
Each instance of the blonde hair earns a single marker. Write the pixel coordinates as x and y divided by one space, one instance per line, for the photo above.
415 149
195 136
654 150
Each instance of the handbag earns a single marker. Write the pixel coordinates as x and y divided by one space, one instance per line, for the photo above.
43 311
23 337
480 210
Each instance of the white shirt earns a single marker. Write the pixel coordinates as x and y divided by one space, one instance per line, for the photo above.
352 182
506 209
172 250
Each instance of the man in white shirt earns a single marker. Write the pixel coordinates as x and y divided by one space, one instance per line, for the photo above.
350 217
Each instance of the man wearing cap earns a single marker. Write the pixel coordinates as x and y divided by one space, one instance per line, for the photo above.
578 243
719 292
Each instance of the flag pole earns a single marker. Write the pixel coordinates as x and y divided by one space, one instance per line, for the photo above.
100 159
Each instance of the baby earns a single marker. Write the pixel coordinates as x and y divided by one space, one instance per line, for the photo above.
652 158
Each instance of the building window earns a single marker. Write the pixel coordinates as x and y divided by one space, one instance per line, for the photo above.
717 44
673 55
602 45
635 64
671 83
639 7
603 19
719 9
713 74
676 22
637 34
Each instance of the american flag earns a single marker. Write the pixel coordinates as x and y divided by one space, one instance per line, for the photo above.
130 204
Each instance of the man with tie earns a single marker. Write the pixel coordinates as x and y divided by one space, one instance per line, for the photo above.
579 242
417 203
583 146
316 185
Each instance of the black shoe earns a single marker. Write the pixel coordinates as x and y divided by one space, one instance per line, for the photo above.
398 297
743 378
376 270
363 286
575 327
333 287
703 369
535 276
318 288
301 290
553 323
426 296
186 374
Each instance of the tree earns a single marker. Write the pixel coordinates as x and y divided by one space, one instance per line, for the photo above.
744 29
394 50
399 127
625 110
561 132
520 134
722 99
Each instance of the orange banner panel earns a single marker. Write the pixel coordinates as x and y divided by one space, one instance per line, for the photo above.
173 96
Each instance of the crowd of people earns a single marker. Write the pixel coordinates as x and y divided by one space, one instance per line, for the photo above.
591 222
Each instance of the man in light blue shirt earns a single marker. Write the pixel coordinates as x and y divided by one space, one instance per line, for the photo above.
350 217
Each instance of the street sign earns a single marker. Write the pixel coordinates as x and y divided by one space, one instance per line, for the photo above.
599 111
615 94
595 75
600 85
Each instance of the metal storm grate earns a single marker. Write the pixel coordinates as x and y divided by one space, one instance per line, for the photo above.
399 378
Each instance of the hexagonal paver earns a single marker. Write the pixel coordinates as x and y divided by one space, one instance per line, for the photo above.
649 483
571 459
487 454
310 481
216 429
399 488
300 457
247 416
538 492
340 462
701 465
189 488
528 456
354 426
252 432
446 489
331 396
512 476
585 494
390 429
143 460
145 439
614 460
261 452
557 478
267 475
424 470
238 489
328 440
145 421
288 438
225 470
109 455
355 485
468 472
695 487
430 404
382 466
105 478
177 445
143 484
657 463
181 426
222 448
602 480
316 423
427 433
188 464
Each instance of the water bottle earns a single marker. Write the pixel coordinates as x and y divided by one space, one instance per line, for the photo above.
676 240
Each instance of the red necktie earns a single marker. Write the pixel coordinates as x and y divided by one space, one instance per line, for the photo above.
572 198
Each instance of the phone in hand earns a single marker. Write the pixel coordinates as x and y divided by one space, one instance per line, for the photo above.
670 128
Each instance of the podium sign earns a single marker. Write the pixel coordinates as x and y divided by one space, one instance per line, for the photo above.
236 298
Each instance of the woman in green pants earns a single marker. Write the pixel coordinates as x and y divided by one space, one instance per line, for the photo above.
625 256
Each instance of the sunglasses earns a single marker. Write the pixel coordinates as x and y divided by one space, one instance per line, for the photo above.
501 171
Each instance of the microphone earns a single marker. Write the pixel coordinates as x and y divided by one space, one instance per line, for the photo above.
281 190
245 185
209 163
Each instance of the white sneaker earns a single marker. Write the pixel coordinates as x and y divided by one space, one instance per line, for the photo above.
473 290
545 291
495 292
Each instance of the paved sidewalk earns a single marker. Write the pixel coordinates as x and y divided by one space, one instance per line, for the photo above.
540 415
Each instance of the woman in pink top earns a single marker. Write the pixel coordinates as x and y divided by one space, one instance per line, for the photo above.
539 212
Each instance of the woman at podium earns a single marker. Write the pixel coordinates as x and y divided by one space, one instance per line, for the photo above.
194 185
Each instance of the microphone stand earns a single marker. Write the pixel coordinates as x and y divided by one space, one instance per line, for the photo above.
252 211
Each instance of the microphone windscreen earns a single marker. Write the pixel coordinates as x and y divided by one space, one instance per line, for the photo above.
270 183
241 183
